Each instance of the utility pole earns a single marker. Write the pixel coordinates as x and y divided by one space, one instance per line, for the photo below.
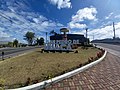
86 32
86 36
46 37
114 30
93 36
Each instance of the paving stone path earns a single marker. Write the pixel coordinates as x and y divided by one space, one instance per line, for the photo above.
103 76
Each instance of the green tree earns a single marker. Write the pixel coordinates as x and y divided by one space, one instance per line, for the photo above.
15 43
29 36
53 32
10 44
40 41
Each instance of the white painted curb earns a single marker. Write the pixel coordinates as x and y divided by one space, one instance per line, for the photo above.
41 85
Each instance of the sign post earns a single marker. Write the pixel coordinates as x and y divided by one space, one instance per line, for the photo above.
2 55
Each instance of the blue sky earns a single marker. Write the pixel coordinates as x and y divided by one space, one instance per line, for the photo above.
40 16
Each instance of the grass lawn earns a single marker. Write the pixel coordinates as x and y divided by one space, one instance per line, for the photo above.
37 66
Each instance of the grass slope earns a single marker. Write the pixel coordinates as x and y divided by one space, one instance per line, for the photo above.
38 65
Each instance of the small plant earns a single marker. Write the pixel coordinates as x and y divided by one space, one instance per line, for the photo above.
76 51
90 60
53 51
96 58
58 65
36 81
83 47
99 54
80 65
85 63
42 50
60 51
28 81
11 67
50 76
86 48
67 51
47 51
2 83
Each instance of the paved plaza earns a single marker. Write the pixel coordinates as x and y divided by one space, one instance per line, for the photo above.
103 76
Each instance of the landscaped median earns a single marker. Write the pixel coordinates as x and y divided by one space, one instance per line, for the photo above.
36 67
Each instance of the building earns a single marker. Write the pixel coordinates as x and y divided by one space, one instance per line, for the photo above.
64 36
72 37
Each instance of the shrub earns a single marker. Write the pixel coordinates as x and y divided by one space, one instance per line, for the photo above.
36 81
99 54
85 63
53 51
60 51
80 65
42 50
28 81
90 60
86 48
83 47
2 83
96 58
47 51
76 51
67 51
58 65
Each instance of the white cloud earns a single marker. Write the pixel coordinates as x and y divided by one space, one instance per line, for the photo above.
103 32
4 36
85 13
77 25
82 15
23 22
61 3
117 16
35 20
109 16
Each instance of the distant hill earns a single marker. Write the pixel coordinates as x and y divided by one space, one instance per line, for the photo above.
3 42
109 41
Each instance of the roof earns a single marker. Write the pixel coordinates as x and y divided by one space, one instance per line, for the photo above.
64 30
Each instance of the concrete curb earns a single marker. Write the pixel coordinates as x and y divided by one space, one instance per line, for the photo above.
45 83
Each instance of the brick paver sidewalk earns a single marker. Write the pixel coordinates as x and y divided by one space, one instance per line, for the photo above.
103 76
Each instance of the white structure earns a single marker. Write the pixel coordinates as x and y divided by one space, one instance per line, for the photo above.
60 45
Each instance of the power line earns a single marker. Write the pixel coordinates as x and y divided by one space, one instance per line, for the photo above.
7 17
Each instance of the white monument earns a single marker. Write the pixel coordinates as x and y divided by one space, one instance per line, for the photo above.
64 45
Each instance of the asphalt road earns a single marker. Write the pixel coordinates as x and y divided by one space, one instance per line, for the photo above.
110 46
8 52
113 49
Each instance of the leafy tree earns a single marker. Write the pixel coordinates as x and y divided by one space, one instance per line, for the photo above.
40 41
10 44
53 32
15 43
29 36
